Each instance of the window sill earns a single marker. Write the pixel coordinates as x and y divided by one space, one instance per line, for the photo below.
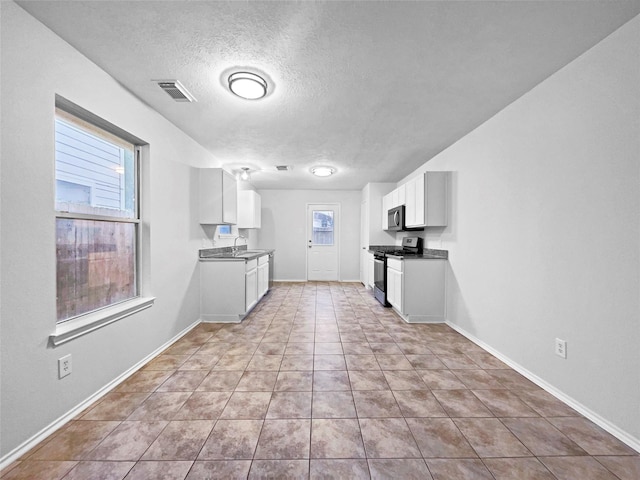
73 329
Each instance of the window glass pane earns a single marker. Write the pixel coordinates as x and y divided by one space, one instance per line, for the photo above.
95 171
95 265
323 227
224 230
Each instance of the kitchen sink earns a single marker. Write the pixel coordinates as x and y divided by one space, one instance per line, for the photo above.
239 254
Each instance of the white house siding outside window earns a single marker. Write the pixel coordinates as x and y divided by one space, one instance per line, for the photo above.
97 217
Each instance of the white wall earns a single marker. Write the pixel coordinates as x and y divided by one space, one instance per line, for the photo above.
544 239
284 214
36 65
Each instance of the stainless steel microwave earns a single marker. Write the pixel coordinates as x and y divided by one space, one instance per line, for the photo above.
396 218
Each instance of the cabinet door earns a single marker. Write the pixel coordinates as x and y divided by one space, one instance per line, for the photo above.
386 205
249 207
410 210
370 270
397 290
435 196
419 201
251 289
257 210
211 193
391 291
229 199
263 279
402 195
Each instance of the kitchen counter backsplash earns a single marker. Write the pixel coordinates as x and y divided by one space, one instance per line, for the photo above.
425 251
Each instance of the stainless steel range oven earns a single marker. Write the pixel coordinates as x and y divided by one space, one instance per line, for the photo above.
380 277
410 246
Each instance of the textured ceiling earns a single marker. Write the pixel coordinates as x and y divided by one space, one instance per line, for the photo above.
374 89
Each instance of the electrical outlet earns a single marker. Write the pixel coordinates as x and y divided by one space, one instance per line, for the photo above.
64 366
561 348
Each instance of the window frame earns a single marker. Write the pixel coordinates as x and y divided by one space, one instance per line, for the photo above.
74 327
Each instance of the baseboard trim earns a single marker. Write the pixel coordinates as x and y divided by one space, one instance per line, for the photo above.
220 318
28 444
620 434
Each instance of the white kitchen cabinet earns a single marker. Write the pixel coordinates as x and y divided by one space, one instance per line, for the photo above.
426 200
394 283
393 199
251 285
370 270
218 197
230 289
367 269
398 196
249 209
410 212
387 204
416 289
263 275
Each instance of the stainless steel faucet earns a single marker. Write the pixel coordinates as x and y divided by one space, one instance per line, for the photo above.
235 247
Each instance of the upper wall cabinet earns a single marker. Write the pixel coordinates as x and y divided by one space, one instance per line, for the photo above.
249 205
218 197
399 196
426 200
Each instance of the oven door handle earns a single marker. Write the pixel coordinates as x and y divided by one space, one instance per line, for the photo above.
396 218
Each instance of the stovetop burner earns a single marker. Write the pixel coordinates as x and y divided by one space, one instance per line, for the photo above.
410 246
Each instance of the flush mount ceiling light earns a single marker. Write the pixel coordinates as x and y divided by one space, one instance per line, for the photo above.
247 85
244 174
323 171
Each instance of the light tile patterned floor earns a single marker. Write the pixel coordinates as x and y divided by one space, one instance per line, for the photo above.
322 382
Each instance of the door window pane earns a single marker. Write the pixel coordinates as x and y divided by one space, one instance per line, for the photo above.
322 227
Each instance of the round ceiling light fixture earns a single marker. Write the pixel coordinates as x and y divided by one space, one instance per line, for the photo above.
247 85
244 174
323 171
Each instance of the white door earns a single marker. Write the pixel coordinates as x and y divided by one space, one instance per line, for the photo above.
322 242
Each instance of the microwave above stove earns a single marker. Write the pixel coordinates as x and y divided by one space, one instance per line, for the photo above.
396 218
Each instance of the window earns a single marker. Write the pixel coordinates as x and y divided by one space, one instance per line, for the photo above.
323 227
97 217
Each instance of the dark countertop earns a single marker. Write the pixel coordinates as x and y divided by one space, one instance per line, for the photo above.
427 253
423 256
226 254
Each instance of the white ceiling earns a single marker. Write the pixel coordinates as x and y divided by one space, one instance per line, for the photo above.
374 89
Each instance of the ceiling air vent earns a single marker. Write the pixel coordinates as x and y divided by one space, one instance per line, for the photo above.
176 90
283 168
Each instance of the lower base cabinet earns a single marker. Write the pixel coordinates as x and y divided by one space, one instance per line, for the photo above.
370 270
263 275
416 289
230 289
251 289
394 283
